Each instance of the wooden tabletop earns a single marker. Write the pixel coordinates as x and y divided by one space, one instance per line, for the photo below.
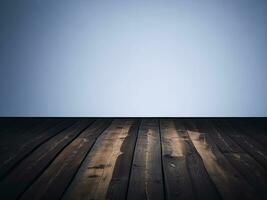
133 158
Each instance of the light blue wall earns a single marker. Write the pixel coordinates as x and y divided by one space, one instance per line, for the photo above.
133 58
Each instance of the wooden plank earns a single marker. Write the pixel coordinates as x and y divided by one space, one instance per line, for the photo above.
13 138
228 181
17 181
119 182
177 178
53 182
243 162
251 171
222 140
254 129
39 135
94 177
185 173
146 180
256 150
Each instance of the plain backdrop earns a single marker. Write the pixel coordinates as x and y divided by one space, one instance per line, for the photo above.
183 58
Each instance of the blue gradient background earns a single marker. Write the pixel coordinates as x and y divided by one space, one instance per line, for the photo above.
133 58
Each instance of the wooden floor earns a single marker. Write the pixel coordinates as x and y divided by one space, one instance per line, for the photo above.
85 158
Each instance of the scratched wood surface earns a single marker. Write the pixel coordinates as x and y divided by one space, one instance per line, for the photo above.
133 158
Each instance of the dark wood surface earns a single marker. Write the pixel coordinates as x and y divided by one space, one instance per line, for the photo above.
133 158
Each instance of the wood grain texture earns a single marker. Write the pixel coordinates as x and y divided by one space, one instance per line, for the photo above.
203 186
228 180
31 140
53 182
252 147
256 129
119 182
240 159
95 175
17 181
146 180
178 183
133 158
